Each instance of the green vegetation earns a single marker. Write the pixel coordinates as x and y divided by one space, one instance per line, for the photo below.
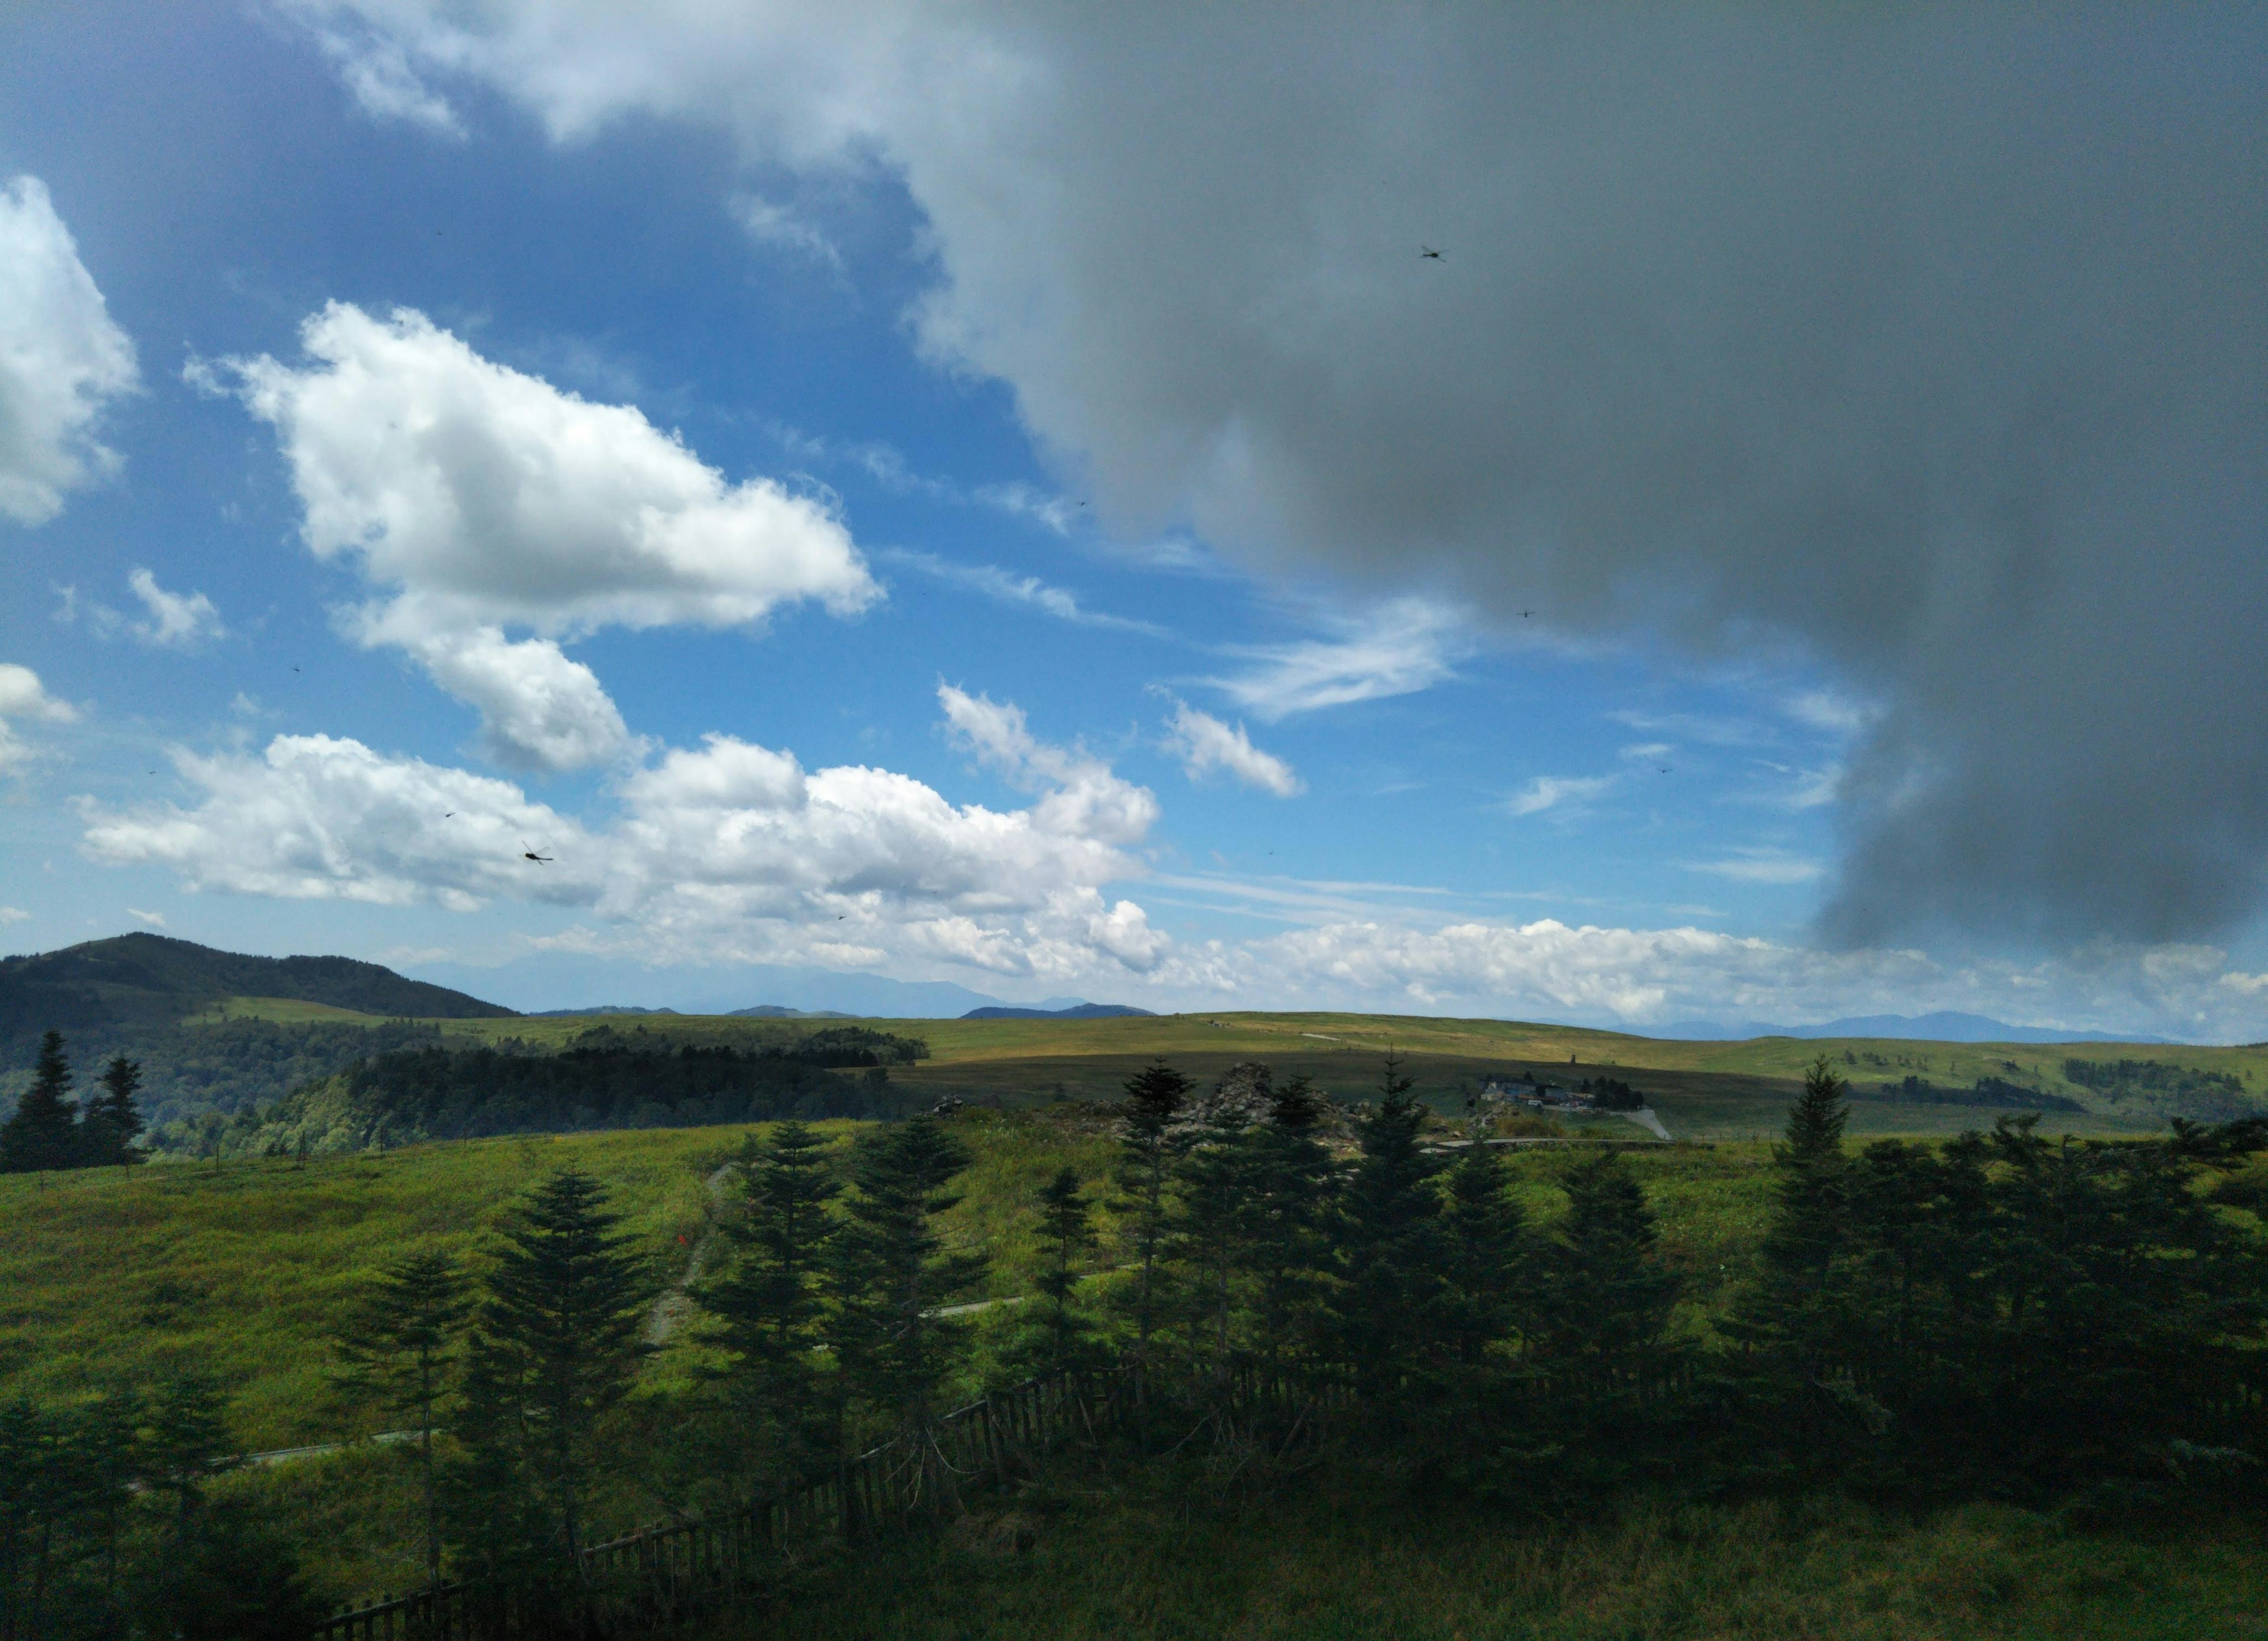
1331 1561
1601 1355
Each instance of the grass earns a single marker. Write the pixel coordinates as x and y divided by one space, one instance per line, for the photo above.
120 1275
282 1010
1336 1563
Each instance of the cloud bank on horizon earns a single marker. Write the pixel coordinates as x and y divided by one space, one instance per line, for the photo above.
1926 341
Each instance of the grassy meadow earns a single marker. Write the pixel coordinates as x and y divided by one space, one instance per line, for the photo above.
1320 1562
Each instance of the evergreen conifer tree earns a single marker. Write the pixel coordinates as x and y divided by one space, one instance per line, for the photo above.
184 1441
1388 1313
41 1135
1212 1180
1147 1147
566 1308
1610 1295
767 1305
1289 1197
112 1120
1487 1264
1786 1313
1066 1236
401 1344
890 1269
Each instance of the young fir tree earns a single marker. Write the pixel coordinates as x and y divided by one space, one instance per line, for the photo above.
1285 1231
1066 1237
1147 1147
1212 1183
1786 1313
1608 1294
184 1442
400 1345
890 1269
566 1308
767 1305
1386 1310
112 1120
1488 1265
41 1135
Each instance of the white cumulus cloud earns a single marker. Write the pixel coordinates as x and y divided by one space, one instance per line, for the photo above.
61 359
176 621
1205 744
23 698
478 498
729 849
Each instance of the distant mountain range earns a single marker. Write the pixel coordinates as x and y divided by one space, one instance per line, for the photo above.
145 979
1075 1012
1946 1026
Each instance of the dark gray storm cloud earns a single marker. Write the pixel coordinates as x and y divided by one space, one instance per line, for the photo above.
1926 341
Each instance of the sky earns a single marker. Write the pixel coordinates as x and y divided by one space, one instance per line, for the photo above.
1616 516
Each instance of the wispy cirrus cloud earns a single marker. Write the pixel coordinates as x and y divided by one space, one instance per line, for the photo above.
1760 865
1558 791
1405 646
1007 587
1205 744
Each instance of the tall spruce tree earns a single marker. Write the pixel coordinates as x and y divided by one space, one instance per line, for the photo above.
1388 1311
1066 1238
565 1309
1291 1191
890 1270
184 1441
41 1135
400 1345
1147 1147
112 1118
1487 1264
1786 1313
1610 1295
1213 1180
766 1303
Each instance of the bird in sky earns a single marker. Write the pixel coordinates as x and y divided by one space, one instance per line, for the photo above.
449 814
1524 614
1426 253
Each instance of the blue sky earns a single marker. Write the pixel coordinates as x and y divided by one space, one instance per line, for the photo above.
826 488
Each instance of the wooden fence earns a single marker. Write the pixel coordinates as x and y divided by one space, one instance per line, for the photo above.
673 1570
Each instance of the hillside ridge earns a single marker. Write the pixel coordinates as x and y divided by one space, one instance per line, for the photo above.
147 979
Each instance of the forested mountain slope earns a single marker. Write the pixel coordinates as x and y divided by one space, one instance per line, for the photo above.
144 980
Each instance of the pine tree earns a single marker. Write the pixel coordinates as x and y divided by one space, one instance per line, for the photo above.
1147 1148
1066 1236
767 1305
41 1135
890 1269
111 1122
400 1345
1488 1263
1610 1295
1291 1197
1786 1315
185 1442
566 1306
1388 1314
1213 1182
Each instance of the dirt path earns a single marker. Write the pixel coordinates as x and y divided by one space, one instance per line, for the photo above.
672 1308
